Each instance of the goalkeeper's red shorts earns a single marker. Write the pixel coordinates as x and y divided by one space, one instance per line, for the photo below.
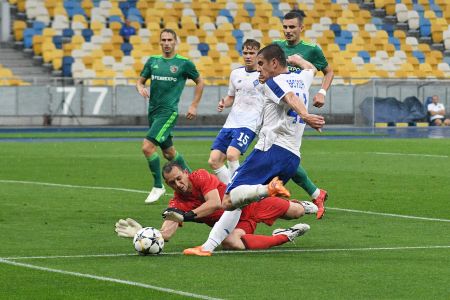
266 211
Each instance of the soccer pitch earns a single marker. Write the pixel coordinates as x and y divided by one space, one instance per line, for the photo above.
386 233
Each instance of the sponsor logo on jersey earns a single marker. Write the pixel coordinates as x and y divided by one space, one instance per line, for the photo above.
155 67
164 78
256 82
173 69
296 83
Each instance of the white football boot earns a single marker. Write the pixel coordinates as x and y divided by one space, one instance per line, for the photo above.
155 194
292 232
310 208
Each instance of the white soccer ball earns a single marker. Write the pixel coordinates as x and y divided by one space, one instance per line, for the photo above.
148 240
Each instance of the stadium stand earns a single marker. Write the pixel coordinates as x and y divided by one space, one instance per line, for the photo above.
379 39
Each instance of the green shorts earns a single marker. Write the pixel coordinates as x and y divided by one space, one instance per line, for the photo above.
161 125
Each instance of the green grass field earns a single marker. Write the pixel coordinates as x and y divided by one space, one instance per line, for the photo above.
386 233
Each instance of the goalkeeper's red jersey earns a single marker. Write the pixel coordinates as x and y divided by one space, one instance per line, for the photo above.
202 183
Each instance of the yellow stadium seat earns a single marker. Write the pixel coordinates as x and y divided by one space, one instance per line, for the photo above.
87 5
37 44
117 54
117 41
57 59
47 52
115 27
18 29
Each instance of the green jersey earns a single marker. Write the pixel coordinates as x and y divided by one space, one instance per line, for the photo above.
310 52
168 77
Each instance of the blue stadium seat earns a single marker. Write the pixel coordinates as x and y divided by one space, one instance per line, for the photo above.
389 28
377 22
250 7
437 10
87 34
114 19
277 13
28 34
365 56
133 11
447 59
38 26
336 28
419 55
135 18
237 34
419 8
124 6
132 3
203 48
425 27
57 40
226 13
78 11
238 46
126 48
67 33
341 42
395 41
67 62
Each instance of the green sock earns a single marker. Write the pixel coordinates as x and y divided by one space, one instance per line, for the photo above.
155 169
302 180
180 160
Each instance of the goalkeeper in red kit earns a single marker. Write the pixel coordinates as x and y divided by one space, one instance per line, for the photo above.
198 198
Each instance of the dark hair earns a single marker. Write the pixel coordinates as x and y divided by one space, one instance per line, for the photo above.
167 168
252 44
169 31
274 51
295 14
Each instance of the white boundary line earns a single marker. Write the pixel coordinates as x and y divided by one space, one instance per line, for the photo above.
409 154
108 279
167 194
387 214
236 251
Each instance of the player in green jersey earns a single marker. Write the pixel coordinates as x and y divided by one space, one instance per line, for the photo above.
168 74
293 45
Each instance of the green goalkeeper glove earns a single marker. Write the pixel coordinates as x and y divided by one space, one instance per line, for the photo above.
127 228
177 215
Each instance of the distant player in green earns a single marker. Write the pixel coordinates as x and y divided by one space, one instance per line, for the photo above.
293 45
168 74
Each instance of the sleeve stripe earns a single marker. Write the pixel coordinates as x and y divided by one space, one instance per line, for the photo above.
276 89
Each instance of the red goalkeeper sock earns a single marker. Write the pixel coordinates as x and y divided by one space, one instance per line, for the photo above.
253 241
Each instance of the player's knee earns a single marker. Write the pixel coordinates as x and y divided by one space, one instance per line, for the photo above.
148 149
169 153
233 156
233 242
295 211
226 204
214 163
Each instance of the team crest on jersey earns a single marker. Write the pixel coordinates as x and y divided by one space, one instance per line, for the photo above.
173 69
256 82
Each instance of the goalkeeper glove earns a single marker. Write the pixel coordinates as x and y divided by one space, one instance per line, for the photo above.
178 215
127 228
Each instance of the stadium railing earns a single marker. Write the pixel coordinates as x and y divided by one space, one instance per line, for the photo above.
94 99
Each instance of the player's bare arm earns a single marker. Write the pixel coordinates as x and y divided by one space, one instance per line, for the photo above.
315 121
226 101
192 111
140 87
211 204
298 61
168 229
319 98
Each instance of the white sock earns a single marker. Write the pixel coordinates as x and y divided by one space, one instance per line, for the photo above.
244 194
222 229
315 194
223 174
232 166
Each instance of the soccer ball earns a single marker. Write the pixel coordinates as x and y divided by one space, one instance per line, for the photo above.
148 240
